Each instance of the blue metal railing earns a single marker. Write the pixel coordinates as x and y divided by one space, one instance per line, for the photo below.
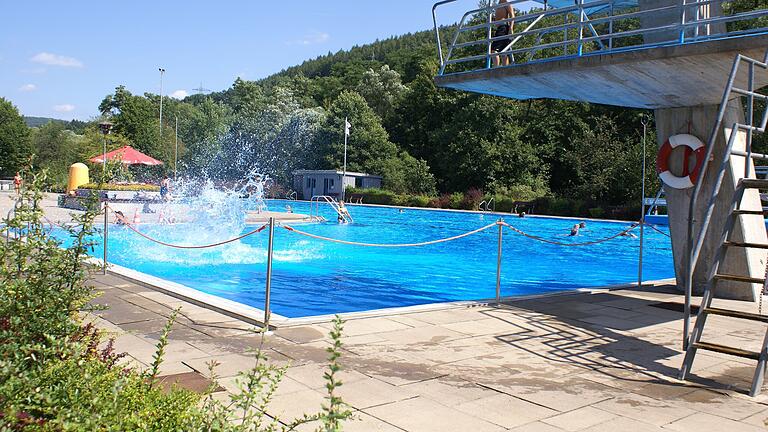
587 28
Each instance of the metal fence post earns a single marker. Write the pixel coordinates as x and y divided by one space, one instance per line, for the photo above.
489 34
642 211
267 311
682 6
498 265
580 46
106 234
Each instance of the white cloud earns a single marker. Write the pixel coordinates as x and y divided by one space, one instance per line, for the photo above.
179 94
28 88
312 38
56 60
64 108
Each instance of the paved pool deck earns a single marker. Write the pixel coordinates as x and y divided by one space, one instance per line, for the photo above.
603 361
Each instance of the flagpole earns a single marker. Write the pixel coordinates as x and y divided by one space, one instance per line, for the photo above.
344 176
162 71
176 153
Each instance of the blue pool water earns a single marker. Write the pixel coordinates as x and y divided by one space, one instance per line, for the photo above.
311 277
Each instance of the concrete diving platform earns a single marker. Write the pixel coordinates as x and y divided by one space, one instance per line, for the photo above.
685 75
253 218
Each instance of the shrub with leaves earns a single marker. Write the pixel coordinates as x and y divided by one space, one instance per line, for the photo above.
59 373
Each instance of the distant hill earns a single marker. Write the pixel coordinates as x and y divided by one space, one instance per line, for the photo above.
75 126
40 121
403 53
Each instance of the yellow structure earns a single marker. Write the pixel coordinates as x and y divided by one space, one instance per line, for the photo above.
78 176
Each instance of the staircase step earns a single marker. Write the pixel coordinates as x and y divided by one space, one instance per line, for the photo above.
754 183
749 212
737 314
739 278
738 352
745 245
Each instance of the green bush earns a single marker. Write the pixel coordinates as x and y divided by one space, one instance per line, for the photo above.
456 200
59 373
596 212
418 201
373 196
122 187
504 202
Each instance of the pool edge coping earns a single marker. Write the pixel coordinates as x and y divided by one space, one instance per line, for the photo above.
255 315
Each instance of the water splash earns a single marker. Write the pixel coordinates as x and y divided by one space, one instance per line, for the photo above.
202 212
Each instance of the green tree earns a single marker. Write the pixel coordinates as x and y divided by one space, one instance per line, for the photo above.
368 143
246 96
273 139
14 139
369 149
55 148
382 90
200 128
137 118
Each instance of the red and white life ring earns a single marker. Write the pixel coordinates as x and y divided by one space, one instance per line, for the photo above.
692 145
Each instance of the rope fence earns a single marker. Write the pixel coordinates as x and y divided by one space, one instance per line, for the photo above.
273 223
658 230
554 242
130 226
389 245
124 221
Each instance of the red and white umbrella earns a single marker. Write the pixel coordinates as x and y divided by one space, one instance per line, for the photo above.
127 155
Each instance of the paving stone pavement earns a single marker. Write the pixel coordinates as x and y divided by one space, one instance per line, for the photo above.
603 361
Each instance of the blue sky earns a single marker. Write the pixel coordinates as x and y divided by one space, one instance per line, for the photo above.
59 59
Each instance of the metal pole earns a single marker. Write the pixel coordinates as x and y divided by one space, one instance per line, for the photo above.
344 176
162 71
267 312
176 153
581 27
104 158
489 35
106 234
642 213
498 265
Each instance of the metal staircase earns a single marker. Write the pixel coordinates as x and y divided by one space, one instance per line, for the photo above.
315 207
693 340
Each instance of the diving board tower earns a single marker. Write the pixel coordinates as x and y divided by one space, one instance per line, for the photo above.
672 56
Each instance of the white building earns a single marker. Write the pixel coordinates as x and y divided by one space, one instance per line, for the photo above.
309 183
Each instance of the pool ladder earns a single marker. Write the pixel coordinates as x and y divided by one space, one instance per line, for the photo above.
693 341
314 209
489 205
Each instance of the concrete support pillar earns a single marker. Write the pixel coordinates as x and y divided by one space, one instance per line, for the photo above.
699 121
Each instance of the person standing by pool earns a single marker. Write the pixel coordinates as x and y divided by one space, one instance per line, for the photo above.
165 186
17 180
504 29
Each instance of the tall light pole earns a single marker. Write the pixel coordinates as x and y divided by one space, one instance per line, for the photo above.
176 153
105 127
162 71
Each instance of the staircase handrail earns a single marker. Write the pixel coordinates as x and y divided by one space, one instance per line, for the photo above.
334 205
694 246
687 29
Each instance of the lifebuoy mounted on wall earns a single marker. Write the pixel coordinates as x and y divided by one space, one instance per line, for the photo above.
692 145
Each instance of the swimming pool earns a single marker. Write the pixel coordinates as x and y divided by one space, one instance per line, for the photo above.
312 277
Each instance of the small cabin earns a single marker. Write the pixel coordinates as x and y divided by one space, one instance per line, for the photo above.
309 183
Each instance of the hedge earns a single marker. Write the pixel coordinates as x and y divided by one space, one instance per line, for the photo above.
525 201
122 187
